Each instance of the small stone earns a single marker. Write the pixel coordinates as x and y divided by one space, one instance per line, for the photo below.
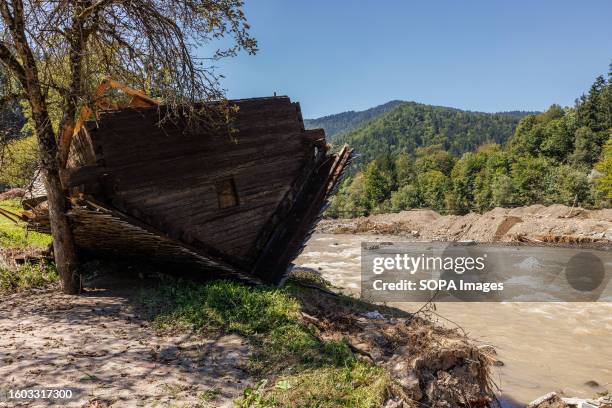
592 383
374 315
410 385
546 400
401 373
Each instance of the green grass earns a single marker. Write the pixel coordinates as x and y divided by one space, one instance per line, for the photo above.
354 385
27 276
16 235
309 372
268 317
209 395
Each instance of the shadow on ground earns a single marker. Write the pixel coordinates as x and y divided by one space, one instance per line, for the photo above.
102 347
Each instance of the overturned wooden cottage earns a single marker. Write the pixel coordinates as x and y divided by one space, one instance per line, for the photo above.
230 201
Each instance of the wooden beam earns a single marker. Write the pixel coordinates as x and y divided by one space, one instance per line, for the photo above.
139 100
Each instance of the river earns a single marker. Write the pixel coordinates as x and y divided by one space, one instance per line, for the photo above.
552 346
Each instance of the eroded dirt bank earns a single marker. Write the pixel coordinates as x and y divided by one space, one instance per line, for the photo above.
556 224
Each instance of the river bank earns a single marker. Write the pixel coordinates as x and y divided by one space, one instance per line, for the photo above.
553 225
544 347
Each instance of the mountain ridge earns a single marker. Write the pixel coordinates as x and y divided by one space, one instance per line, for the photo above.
342 122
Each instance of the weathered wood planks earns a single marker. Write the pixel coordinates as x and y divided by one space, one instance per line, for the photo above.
246 194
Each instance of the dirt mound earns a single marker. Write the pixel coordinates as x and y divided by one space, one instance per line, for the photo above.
418 216
605 214
560 224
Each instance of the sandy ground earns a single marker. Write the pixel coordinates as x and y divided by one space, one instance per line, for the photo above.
100 348
537 223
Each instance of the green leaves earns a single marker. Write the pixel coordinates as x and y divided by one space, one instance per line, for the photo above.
603 181
412 125
548 159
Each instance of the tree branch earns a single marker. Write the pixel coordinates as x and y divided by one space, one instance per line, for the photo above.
10 61
6 14
94 7
12 97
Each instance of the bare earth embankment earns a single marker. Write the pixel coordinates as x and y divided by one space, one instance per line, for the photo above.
555 224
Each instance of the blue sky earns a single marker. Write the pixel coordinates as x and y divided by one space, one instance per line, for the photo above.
489 56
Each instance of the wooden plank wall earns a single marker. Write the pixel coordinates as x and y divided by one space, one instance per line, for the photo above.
81 150
166 177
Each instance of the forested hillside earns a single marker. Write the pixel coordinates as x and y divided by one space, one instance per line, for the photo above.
411 125
342 122
452 161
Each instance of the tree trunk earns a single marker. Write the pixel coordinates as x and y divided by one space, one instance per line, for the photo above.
26 71
66 260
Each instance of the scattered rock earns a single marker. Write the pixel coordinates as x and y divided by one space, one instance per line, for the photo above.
550 400
374 315
405 377
592 383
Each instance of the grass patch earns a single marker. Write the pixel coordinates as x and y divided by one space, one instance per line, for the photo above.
268 317
27 276
209 395
355 385
16 235
308 371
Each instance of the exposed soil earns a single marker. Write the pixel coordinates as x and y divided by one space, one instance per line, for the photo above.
555 224
97 345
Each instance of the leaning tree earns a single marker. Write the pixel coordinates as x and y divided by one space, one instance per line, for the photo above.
56 52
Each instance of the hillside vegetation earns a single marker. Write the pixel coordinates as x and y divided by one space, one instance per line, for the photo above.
342 122
419 156
412 125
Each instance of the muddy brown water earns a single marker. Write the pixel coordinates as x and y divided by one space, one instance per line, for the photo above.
545 347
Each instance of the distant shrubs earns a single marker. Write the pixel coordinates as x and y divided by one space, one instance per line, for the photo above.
603 177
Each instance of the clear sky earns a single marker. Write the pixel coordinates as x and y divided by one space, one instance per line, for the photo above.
492 55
